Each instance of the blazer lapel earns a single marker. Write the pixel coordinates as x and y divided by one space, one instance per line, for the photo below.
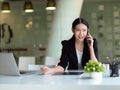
73 54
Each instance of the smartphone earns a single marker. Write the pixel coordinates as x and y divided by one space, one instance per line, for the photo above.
88 41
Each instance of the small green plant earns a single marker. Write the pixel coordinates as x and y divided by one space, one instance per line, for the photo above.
93 66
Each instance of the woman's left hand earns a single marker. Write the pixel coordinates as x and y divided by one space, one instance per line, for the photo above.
90 40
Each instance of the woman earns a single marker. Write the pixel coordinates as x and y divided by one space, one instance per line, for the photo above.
77 51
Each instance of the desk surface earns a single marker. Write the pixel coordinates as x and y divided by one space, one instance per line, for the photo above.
58 82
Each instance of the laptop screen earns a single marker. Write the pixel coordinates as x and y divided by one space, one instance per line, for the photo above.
8 65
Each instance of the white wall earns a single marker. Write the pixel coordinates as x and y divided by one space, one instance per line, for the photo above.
66 12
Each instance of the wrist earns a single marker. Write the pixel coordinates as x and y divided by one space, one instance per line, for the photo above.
91 48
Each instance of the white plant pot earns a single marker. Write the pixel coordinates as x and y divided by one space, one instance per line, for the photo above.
96 75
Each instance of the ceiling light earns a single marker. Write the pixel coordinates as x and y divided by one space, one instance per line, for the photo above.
5 7
51 5
28 7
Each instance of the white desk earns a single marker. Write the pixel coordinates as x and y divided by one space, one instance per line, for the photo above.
58 82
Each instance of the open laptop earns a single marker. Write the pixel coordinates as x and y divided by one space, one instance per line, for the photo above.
8 65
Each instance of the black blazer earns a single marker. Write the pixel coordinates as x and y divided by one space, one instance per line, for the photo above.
69 56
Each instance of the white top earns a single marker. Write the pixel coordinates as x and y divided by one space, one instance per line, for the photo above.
79 56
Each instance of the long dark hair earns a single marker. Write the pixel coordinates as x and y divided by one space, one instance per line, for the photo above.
86 52
79 21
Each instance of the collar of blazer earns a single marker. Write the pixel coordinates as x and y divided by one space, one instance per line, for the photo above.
70 46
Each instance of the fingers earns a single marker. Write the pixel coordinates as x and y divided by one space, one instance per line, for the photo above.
89 36
45 70
89 39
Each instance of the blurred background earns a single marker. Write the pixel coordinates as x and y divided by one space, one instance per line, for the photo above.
39 30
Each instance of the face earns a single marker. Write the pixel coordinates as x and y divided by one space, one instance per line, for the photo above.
80 32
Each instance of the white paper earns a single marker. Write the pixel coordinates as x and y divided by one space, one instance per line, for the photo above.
116 21
116 29
116 14
94 15
117 36
101 7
